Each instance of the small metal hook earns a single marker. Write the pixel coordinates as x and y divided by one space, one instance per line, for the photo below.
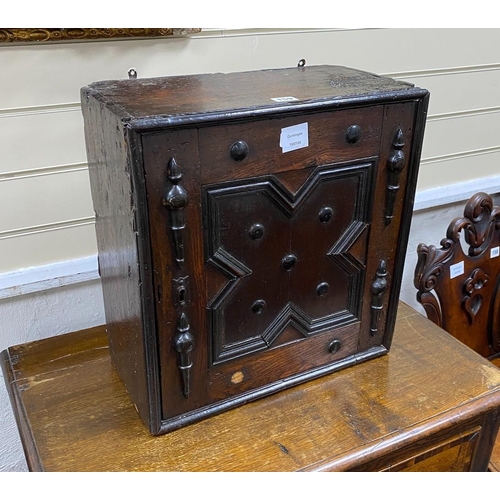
301 63
132 73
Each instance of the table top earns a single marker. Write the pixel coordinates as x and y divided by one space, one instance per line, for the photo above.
74 414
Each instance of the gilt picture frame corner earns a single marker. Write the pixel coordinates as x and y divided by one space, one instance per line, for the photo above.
37 35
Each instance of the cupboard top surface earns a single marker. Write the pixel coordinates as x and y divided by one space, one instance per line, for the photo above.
194 98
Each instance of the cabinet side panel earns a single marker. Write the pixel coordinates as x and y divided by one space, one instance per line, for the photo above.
420 119
113 199
391 200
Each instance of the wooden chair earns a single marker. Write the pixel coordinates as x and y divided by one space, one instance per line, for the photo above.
460 290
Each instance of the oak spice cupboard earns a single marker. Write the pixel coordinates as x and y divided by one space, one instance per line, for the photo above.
251 228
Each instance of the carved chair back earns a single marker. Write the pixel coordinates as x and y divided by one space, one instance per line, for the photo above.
460 290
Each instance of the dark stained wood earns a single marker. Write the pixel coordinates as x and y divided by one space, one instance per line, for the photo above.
248 269
121 256
163 102
327 144
431 404
467 305
459 283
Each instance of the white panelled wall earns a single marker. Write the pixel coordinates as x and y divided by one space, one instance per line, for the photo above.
48 272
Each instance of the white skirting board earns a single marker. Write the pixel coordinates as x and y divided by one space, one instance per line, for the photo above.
66 296
36 279
453 193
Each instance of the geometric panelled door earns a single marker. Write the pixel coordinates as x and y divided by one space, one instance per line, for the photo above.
286 256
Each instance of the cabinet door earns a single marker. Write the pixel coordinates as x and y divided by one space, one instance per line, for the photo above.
270 266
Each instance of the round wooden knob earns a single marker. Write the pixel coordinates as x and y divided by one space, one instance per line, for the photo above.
353 134
256 231
258 306
239 150
322 289
334 346
325 214
288 261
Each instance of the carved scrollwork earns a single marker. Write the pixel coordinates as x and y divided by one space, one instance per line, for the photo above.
176 199
473 298
184 344
449 300
479 222
430 266
395 165
378 289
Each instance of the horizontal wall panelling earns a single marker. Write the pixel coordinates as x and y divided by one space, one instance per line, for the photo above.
41 140
41 171
461 134
60 70
47 245
395 51
51 198
465 91
446 171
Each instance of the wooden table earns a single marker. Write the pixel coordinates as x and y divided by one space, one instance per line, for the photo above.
430 404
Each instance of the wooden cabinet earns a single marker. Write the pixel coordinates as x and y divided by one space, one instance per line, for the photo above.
251 228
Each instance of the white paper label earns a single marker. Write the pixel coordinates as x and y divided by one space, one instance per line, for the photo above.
296 137
284 99
456 269
494 252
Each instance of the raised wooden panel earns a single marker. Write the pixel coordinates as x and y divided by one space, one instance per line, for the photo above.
298 243
326 133
259 227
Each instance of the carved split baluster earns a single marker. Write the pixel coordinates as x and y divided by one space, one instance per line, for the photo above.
176 199
395 165
184 344
378 289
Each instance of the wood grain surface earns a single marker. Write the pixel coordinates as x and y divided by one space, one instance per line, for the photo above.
430 404
199 96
